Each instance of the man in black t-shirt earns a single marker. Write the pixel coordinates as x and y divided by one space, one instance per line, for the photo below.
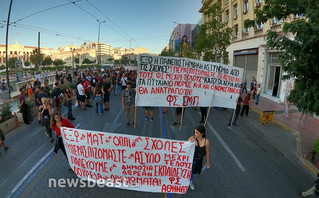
107 87
238 107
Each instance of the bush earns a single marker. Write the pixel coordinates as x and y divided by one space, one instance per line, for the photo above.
2 67
27 63
71 85
6 112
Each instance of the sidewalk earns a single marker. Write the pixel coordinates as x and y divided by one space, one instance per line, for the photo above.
309 132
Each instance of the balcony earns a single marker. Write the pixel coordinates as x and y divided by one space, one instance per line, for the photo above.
257 5
258 30
275 25
234 36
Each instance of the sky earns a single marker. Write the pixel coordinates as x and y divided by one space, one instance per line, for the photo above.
147 23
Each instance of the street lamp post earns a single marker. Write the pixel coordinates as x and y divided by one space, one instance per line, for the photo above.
72 50
7 64
98 44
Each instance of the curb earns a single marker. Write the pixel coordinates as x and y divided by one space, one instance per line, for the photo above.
314 170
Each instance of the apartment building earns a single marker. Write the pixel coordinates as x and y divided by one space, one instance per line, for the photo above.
248 45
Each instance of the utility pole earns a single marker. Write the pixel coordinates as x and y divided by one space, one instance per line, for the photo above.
39 51
98 44
7 64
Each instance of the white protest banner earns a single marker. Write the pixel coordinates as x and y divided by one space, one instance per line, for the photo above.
45 75
132 162
184 82
37 76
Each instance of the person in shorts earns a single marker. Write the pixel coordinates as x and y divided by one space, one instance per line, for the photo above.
107 88
151 109
81 95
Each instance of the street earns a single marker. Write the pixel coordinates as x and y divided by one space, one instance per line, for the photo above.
246 161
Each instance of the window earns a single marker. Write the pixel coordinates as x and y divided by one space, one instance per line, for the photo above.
246 6
236 30
245 30
259 26
227 16
235 11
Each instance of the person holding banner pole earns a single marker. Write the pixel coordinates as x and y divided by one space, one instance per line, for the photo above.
57 122
237 111
202 145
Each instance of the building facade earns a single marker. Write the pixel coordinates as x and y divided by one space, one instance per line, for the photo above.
248 48
16 50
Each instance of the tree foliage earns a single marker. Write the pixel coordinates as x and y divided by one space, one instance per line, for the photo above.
27 63
87 61
58 62
12 62
300 55
168 53
214 36
34 58
47 61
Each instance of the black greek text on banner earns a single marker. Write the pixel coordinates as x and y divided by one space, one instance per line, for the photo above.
183 82
131 162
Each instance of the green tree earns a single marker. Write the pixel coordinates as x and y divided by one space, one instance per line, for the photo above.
47 61
27 63
110 59
58 62
12 62
300 55
189 52
168 53
87 61
77 60
34 58
214 36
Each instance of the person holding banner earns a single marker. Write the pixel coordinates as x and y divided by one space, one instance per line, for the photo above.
57 122
237 111
128 102
202 145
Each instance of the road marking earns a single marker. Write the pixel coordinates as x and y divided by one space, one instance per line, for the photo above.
226 147
117 117
34 174
77 125
163 135
29 173
32 169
